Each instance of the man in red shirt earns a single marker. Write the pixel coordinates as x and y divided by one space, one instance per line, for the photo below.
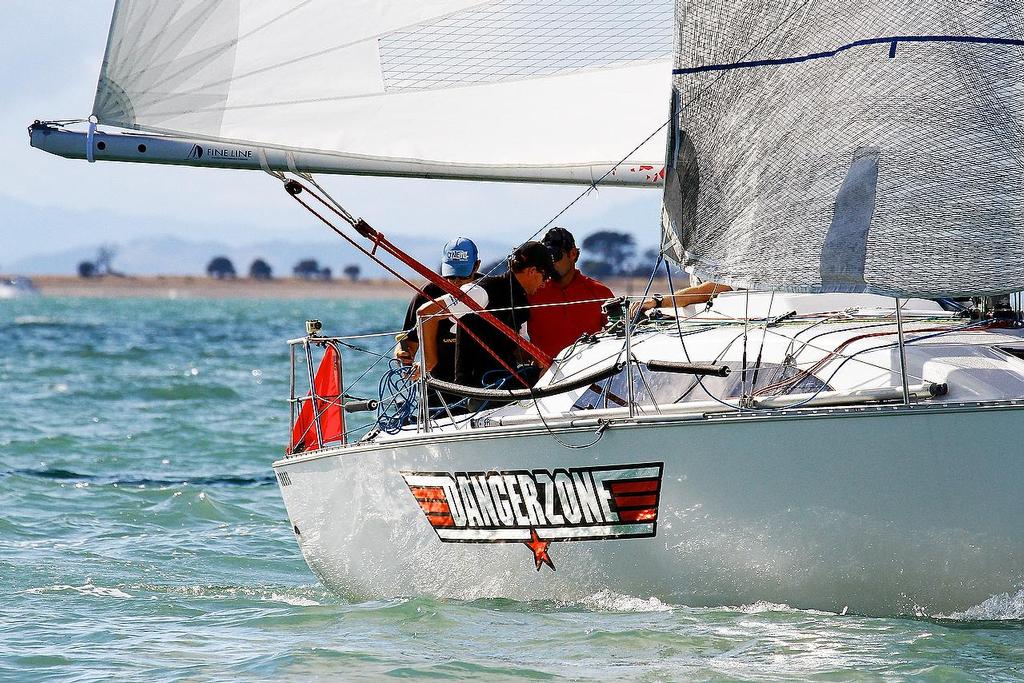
554 327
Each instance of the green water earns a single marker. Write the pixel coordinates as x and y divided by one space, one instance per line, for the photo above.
143 536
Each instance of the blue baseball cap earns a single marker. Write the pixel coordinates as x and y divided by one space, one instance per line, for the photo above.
458 258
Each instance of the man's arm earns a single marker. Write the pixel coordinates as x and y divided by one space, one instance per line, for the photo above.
698 294
407 340
430 315
435 311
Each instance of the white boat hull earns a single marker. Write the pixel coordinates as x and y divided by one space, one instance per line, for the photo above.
879 509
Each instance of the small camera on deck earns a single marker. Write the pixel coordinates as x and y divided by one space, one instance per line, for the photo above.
313 327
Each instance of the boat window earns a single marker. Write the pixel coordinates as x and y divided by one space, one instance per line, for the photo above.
664 388
1016 352
774 379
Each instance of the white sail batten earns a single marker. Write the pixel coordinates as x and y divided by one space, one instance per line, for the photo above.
849 146
557 90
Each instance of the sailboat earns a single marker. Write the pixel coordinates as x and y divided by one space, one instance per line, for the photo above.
840 431
16 287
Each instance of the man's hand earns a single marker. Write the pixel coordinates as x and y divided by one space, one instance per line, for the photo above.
406 351
637 306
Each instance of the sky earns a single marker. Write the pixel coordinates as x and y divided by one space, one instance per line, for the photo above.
50 55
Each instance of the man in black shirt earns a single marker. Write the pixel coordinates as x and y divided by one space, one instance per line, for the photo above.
502 295
459 265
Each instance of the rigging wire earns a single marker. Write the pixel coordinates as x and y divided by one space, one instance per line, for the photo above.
764 335
743 362
682 342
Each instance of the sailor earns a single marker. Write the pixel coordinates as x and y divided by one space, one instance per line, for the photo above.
505 296
460 263
569 305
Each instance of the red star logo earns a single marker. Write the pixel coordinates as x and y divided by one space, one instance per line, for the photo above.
540 550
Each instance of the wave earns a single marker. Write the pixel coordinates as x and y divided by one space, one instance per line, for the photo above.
1000 607
37 320
295 596
56 323
610 601
89 589
218 480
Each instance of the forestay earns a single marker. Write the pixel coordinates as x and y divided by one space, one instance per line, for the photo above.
849 146
556 90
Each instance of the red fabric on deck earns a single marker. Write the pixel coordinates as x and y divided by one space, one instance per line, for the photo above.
328 406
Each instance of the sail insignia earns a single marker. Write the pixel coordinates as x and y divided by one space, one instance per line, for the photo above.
845 248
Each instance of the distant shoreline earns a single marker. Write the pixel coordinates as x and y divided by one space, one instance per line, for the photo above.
198 287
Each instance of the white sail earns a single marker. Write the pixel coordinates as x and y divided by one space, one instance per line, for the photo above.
850 146
510 89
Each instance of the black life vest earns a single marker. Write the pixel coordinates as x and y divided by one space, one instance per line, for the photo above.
506 300
446 339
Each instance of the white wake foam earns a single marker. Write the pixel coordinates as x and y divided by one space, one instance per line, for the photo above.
294 600
86 589
1000 607
609 601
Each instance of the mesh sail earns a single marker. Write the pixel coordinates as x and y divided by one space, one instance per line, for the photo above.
849 146
509 88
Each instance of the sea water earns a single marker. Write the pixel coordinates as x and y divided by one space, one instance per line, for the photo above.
142 535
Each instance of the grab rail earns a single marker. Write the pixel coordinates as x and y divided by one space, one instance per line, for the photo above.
523 394
703 369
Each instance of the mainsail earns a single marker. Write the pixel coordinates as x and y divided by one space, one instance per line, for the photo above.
542 90
849 146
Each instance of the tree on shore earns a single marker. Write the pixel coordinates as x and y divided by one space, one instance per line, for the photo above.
309 269
608 253
352 272
102 266
260 270
646 263
221 268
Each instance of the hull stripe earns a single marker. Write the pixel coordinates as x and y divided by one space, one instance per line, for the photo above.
427 492
430 506
441 520
627 502
648 515
634 486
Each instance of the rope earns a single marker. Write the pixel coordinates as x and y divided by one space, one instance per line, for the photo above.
396 384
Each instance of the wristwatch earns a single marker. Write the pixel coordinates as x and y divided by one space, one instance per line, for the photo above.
658 299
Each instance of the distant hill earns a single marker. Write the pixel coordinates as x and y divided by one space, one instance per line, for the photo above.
169 255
